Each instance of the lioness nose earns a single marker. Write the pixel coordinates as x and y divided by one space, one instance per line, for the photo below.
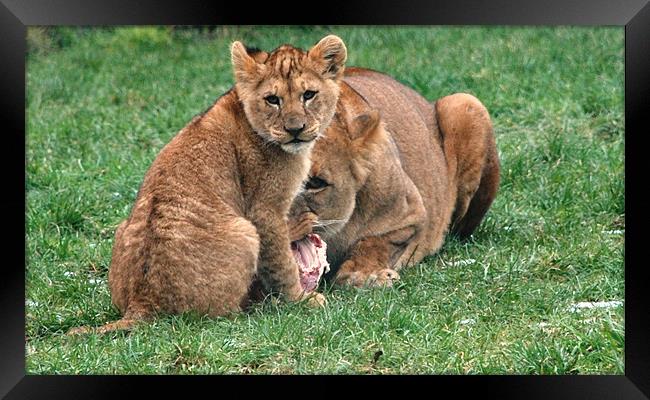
295 131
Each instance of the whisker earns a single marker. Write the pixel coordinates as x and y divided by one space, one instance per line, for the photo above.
329 230
327 222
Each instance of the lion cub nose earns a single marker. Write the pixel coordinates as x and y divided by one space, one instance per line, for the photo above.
295 131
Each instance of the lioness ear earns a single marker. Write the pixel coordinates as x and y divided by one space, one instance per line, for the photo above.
328 56
244 66
364 125
368 142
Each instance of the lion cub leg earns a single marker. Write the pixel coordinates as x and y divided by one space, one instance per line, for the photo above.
278 270
187 266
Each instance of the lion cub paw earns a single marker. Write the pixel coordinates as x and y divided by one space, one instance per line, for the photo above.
301 226
316 300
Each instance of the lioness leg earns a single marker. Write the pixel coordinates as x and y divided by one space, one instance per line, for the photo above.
483 197
373 260
471 156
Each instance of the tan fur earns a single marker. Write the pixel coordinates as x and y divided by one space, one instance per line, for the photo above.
429 167
211 212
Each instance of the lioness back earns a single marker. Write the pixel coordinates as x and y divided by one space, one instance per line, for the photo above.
410 119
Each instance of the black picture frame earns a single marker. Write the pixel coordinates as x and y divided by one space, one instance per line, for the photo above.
16 15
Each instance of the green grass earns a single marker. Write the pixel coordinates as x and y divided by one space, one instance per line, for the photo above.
101 103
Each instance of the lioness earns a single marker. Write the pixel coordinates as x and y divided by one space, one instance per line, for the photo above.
211 212
381 207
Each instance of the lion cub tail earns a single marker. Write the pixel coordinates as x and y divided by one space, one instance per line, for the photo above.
126 323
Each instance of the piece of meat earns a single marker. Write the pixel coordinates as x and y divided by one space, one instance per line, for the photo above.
309 253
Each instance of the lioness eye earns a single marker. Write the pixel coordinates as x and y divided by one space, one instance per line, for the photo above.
273 99
315 183
308 94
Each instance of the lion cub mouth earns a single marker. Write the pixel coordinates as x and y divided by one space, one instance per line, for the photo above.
296 140
310 254
296 146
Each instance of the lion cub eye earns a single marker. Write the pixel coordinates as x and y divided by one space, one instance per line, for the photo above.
316 183
273 99
308 94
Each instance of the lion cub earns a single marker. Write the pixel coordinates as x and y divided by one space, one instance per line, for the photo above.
211 212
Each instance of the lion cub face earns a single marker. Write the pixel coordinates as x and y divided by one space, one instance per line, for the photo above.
290 95
341 163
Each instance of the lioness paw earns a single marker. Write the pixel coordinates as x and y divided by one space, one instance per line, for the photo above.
349 275
384 278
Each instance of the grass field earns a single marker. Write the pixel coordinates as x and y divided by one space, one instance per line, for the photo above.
101 103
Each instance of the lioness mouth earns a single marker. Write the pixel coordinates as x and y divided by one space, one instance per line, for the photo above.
309 253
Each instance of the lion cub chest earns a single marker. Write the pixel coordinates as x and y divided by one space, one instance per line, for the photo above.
275 180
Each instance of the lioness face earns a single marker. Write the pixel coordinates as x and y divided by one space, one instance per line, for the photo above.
290 95
329 192
341 162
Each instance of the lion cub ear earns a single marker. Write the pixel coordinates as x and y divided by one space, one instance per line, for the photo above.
328 56
246 67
